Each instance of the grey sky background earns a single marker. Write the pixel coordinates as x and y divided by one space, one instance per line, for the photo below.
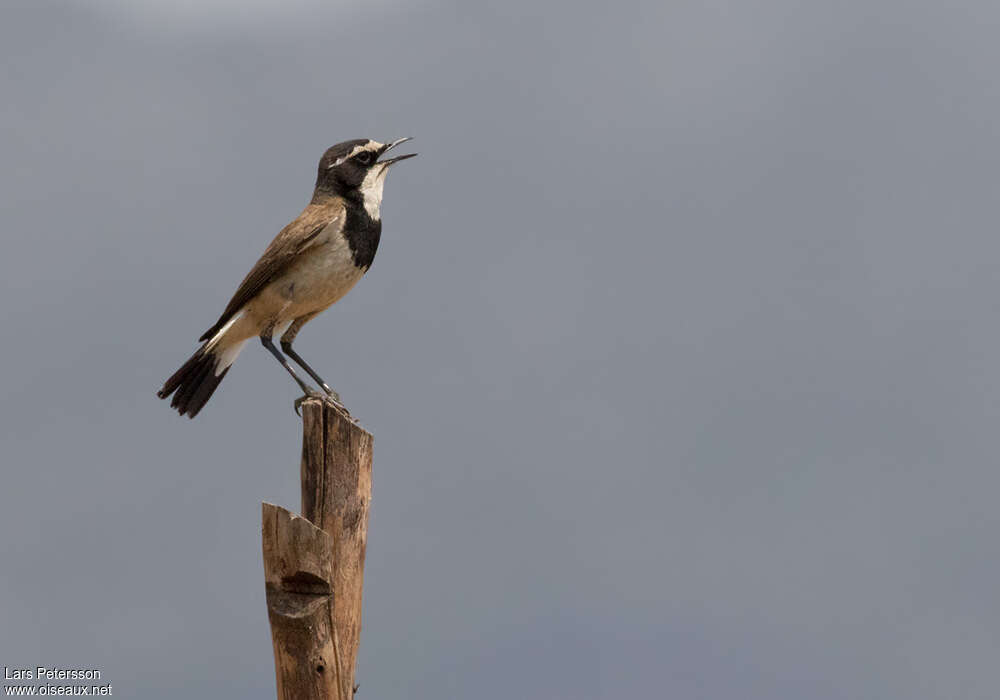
679 349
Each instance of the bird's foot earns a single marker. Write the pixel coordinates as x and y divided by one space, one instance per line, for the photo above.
334 396
310 394
328 395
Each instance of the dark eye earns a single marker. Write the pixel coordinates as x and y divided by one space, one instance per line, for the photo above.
365 158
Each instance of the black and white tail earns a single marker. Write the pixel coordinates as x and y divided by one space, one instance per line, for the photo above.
194 383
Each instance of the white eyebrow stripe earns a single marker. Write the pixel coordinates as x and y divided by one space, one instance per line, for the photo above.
354 151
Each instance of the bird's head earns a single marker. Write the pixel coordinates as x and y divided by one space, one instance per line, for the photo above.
356 170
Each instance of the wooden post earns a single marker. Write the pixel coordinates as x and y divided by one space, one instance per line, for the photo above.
314 565
299 579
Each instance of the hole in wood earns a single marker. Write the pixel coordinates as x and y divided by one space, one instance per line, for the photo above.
304 582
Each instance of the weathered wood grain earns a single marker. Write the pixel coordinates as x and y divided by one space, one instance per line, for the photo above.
298 574
314 565
336 496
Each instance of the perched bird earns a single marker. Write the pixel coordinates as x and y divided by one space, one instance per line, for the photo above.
310 264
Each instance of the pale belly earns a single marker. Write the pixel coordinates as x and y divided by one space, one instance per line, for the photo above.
319 278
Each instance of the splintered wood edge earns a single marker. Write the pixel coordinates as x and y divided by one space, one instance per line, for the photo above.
296 552
319 404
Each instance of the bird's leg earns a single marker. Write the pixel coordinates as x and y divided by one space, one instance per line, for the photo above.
309 391
286 346
287 349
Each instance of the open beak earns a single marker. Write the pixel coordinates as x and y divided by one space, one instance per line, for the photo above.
390 161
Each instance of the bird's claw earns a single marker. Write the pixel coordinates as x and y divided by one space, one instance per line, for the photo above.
333 395
330 396
310 394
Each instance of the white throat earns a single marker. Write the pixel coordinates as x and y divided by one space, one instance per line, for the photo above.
371 190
